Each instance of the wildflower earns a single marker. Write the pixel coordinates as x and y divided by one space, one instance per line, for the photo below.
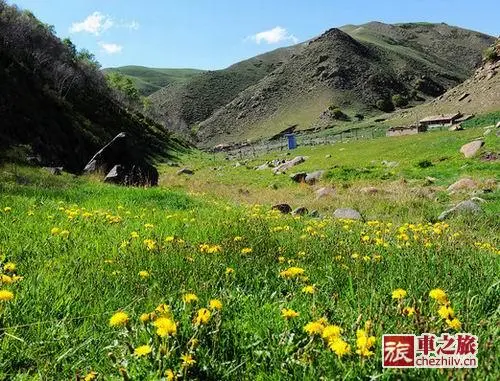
408 311
55 231
9 267
169 239
309 289
169 374
202 317
398 293
189 298
6 295
90 376
165 327
5 279
134 235
215 304
288 313
187 360
339 347
119 319
364 343
246 250
281 259
331 332
149 226
355 256
150 244
64 233
455 323
314 328
193 343
439 295
292 272
144 318
7 209
143 350
229 271
446 312
163 310
238 238
143 274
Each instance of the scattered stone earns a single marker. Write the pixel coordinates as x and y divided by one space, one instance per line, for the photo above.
465 207
328 156
262 167
237 164
301 211
299 177
313 177
369 190
430 180
185 171
462 184
324 192
390 164
456 127
470 149
498 125
283 208
56 171
314 213
289 164
347 214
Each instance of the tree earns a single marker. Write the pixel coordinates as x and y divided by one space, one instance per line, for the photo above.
124 85
88 58
385 105
399 100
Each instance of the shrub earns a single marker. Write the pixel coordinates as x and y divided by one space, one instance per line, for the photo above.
359 117
339 114
490 54
399 100
385 105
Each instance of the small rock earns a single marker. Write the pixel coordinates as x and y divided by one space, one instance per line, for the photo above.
470 149
185 171
430 180
289 164
498 125
299 177
283 208
456 127
369 190
462 184
324 192
328 156
301 211
487 132
56 171
237 164
314 213
262 167
313 177
390 164
465 207
347 214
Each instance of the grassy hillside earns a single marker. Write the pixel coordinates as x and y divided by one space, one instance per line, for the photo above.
351 72
148 80
56 103
210 284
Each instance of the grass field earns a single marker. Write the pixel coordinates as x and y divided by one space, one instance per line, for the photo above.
199 279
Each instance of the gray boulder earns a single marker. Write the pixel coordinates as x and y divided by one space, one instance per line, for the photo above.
462 184
465 207
313 177
347 214
185 171
289 164
324 192
471 149
262 167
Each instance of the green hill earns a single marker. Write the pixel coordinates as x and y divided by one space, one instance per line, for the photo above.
148 80
55 101
352 69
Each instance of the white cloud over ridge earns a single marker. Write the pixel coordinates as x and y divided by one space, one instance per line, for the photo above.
96 23
110 48
273 36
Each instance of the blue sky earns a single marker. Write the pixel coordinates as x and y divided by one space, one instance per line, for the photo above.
214 34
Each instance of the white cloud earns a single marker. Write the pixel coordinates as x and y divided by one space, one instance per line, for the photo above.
134 25
274 36
96 23
110 48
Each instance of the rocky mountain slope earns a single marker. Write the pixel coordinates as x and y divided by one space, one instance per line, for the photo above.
352 69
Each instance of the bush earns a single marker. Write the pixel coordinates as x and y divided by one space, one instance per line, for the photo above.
490 54
424 164
399 100
338 114
385 105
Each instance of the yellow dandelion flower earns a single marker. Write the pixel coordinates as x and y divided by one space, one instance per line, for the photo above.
5 279
364 343
165 327
454 323
143 350
6 295
288 313
7 209
150 244
119 319
202 317
169 239
145 317
446 312
408 311
292 272
9 267
170 375
189 298
229 271
215 304
331 332
238 238
164 310
309 289
187 360
134 235
399 293
90 376
439 295
355 256
246 250
143 274
149 226
55 231
314 328
64 233
339 347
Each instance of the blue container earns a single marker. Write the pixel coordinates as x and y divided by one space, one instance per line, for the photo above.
292 141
